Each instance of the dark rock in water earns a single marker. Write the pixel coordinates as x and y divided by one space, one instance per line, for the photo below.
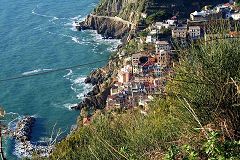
22 134
87 80
96 77
23 128
94 101
107 27
94 91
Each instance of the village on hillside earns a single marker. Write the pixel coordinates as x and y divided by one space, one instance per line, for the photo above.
145 73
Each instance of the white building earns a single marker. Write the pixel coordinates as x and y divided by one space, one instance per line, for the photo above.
235 16
194 32
198 16
166 24
161 25
171 22
151 39
153 32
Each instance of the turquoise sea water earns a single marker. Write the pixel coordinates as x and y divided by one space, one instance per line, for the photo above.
37 36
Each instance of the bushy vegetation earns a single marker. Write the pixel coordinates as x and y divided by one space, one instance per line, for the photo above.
129 135
158 16
198 118
208 79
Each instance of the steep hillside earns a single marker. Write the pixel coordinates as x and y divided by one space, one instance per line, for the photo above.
129 10
118 18
115 18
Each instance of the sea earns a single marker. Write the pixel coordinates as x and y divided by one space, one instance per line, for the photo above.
39 36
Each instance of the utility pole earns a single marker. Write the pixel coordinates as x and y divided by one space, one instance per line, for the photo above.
1 145
2 113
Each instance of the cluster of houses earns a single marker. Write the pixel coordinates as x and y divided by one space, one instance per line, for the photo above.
142 77
177 31
221 11
145 73
196 25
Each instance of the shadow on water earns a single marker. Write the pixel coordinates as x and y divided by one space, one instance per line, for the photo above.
39 130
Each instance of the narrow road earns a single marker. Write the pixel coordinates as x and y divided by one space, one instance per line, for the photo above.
115 19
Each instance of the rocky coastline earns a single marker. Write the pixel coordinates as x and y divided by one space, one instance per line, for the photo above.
108 27
96 98
22 135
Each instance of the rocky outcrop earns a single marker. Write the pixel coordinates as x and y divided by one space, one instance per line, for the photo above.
115 18
24 128
96 98
22 134
108 27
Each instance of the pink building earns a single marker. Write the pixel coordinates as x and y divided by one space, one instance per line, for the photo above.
124 75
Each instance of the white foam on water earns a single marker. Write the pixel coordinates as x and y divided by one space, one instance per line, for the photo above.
78 86
69 105
98 38
55 18
38 28
35 71
31 72
75 39
20 149
79 80
74 29
12 119
78 18
12 113
93 5
85 88
68 74
47 69
46 16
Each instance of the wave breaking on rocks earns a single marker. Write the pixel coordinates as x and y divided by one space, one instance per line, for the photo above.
24 146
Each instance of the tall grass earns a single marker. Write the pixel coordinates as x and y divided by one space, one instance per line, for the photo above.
208 78
129 135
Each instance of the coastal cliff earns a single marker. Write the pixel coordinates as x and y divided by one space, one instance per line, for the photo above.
115 18
102 80
106 26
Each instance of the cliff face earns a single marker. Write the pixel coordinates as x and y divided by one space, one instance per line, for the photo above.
114 18
129 10
108 27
